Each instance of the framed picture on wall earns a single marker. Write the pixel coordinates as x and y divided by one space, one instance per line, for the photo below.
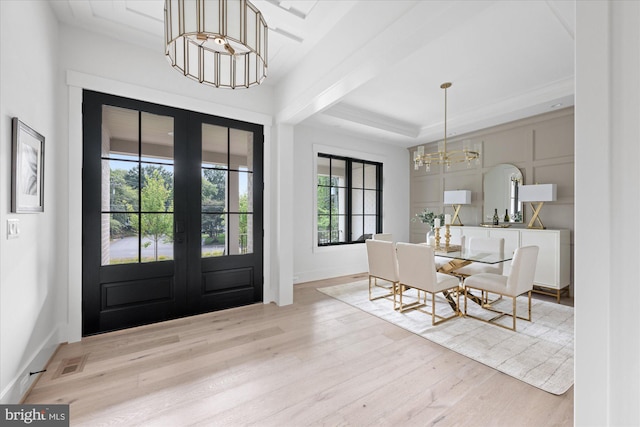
27 169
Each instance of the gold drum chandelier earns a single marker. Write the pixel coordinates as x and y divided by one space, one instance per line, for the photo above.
222 43
444 157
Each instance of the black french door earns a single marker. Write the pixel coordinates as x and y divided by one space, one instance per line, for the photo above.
172 213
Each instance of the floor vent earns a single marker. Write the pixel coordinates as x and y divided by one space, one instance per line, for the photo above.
71 366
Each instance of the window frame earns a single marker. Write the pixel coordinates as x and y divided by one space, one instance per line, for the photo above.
349 188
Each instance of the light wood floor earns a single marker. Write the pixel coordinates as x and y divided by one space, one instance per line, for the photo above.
315 362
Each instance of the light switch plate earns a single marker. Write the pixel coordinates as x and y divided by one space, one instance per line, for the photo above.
13 228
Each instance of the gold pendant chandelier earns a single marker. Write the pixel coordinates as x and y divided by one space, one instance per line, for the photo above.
222 43
444 157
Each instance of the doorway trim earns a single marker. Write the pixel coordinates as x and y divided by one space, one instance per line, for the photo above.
76 83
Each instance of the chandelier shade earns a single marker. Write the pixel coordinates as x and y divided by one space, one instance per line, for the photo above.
442 156
222 43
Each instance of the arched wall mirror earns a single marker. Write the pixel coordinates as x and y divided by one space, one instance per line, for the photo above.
501 184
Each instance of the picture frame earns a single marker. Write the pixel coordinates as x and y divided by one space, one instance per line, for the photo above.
27 169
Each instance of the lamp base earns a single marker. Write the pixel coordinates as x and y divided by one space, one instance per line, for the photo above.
455 216
536 217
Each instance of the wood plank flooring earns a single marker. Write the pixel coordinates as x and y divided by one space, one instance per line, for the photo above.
315 362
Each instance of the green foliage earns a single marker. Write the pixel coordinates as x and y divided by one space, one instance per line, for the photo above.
122 198
427 217
214 201
156 197
244 207
328 206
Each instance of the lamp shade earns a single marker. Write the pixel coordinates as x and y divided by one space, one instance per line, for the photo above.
537 193
457 197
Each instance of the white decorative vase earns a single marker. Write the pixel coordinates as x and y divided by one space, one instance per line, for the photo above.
430 237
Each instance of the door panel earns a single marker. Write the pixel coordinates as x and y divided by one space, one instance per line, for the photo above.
230 233
159 202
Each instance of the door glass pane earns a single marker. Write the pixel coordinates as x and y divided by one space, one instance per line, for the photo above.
137 195
240 185
240 226
214 146
119 186
214 190
213 235
157 240
157 188
157 138
240 240
119 133
122 245
241 146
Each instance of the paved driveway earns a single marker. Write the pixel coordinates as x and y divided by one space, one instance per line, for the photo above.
127 247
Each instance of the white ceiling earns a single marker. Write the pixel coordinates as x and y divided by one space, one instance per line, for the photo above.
381 62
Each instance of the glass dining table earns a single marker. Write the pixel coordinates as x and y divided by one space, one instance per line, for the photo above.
462 257
474 256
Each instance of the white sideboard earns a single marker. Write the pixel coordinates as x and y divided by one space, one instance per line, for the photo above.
553 270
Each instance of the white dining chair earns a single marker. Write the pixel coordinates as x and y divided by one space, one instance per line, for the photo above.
417 270
479 245
381 256
383 236
518 282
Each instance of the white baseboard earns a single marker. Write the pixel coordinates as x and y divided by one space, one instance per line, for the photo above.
22 382
310 276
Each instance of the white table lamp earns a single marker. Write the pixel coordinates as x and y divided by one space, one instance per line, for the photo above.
539 194
457 198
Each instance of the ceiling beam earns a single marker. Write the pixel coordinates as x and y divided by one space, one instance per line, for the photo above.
386 33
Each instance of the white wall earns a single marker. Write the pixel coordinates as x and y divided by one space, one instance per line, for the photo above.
313 263
607 351
32 289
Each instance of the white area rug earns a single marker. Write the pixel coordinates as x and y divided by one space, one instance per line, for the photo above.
539 353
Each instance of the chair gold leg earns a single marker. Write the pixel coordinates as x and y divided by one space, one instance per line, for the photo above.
513 314
386 295
433 307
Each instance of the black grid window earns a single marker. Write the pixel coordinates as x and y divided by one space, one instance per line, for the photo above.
349 199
